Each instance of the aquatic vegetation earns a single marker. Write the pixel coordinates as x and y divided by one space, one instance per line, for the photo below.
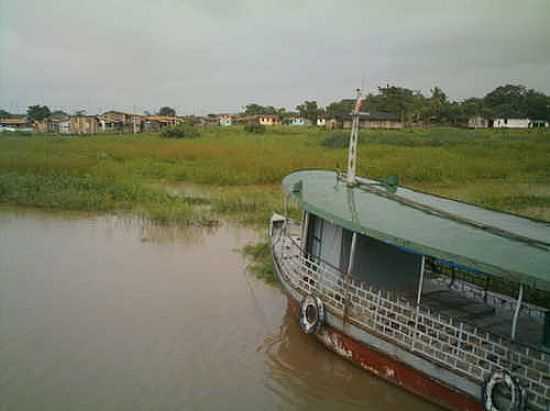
87 193
260 264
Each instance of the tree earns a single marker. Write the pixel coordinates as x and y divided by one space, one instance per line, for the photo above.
340 107
309 110
508 101
408 103
254 109
4 113
38 112
167 111
436 105
538 105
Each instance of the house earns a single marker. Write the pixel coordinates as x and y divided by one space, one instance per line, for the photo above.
15 123
321 122
40 126
59 123
225 120
371 119
81 124
511 123
376 119
478 122
296 121
269 120
156 123
538 124
118 121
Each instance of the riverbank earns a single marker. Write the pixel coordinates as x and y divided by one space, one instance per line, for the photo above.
236 175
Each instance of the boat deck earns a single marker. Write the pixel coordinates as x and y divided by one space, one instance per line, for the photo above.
456 305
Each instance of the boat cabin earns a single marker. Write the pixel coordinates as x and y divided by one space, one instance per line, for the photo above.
482 267
379 264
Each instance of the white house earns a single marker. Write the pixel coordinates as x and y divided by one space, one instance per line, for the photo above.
226 120
538 124
296 121
321 122
511 123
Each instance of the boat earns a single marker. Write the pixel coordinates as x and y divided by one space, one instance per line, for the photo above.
447 300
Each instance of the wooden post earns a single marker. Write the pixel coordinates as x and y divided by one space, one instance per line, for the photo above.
347 277
305 233
420 281
516 312
351 253
418 299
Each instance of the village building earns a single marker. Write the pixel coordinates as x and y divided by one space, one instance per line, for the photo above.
321 122
59 123
372 119
511 123
118 121
225 120
83 124
296 121
15 123
40 126
539 124
269 120
156 123
478 122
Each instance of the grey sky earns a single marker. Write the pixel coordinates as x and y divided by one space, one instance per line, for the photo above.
210 56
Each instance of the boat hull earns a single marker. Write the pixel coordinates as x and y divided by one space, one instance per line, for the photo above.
390 369
385 366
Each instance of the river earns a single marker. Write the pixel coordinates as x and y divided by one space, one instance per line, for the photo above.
110 313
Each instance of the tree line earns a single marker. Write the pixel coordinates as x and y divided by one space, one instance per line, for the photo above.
508 101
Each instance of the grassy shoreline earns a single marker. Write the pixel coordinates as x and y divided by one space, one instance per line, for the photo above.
237 175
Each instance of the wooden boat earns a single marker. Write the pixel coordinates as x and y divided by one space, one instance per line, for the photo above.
445 299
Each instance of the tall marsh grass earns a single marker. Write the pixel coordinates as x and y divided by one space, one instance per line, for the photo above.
243 170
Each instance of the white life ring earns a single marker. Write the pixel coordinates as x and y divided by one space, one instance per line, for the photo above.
312 314
517 393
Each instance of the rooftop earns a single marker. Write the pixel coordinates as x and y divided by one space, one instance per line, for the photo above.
499 244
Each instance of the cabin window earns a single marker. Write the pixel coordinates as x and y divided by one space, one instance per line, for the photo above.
324 241
377 263
385 266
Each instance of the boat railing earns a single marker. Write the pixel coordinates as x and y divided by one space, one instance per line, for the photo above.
499 301
456 345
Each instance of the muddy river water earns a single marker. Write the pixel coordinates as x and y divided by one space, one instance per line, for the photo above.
104 313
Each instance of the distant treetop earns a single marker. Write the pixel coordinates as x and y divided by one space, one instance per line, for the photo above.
167 111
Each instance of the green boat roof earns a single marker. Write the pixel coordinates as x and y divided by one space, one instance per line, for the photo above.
496 243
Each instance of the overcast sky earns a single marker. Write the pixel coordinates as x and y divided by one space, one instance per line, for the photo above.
212 56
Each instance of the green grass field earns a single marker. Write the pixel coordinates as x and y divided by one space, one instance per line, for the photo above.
227 173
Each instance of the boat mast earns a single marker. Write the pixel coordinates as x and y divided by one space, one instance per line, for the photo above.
352 154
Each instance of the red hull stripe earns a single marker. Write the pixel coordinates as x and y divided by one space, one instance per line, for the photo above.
391 369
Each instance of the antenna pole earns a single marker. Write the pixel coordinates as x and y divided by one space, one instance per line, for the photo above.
352 154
